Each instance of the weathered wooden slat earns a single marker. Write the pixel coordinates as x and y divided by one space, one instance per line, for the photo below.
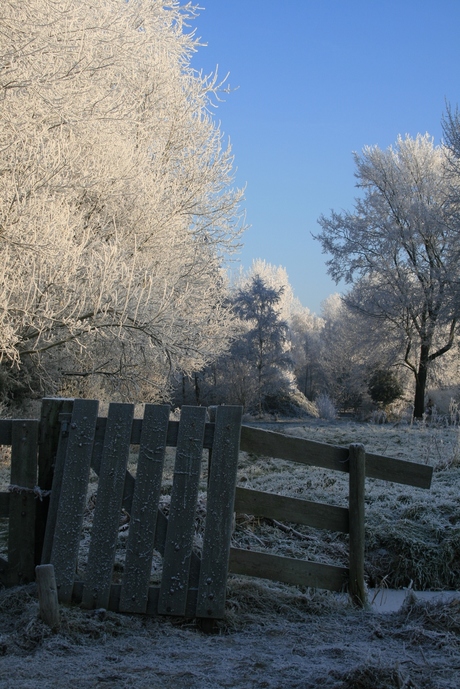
140 545
219 514
356 587
109 499
5 431
316 514
59 455
4 505
71 478
55 496
312 453
49 435
308 452
398 471
271 444
288 570
21 531
181 523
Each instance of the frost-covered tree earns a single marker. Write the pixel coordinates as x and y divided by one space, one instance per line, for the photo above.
305 333
273 349
264 344
116 204
400 249
256 372
275 277
343 359
350 351
304 327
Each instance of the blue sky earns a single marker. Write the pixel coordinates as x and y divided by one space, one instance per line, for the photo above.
317 80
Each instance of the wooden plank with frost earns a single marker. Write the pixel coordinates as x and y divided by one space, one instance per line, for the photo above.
21 528
316 514
181 523
288 570
398 471
49 437
140 545
312 453
271 444
219 513
73 475
56 485
104 534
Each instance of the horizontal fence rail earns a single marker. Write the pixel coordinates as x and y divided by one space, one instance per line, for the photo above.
312 453
315 514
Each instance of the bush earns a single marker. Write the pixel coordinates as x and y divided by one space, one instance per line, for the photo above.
384 387
326 407
291 404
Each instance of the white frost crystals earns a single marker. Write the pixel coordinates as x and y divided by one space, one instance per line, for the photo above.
116 204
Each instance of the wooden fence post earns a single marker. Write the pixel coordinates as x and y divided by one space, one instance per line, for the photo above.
357 461
47 596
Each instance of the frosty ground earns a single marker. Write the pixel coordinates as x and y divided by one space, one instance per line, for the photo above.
277 636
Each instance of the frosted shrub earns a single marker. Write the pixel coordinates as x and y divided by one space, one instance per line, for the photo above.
326 407
378 416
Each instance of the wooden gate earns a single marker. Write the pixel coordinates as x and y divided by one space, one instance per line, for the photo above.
190 586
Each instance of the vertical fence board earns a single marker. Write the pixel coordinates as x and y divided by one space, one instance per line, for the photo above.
72 499
21 531
357 461
47 451
139 549
181 523
219 514
56 484
104 534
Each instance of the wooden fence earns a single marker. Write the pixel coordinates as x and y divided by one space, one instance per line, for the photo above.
354 461
70 438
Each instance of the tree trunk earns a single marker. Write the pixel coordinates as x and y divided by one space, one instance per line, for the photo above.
197 390
420 382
